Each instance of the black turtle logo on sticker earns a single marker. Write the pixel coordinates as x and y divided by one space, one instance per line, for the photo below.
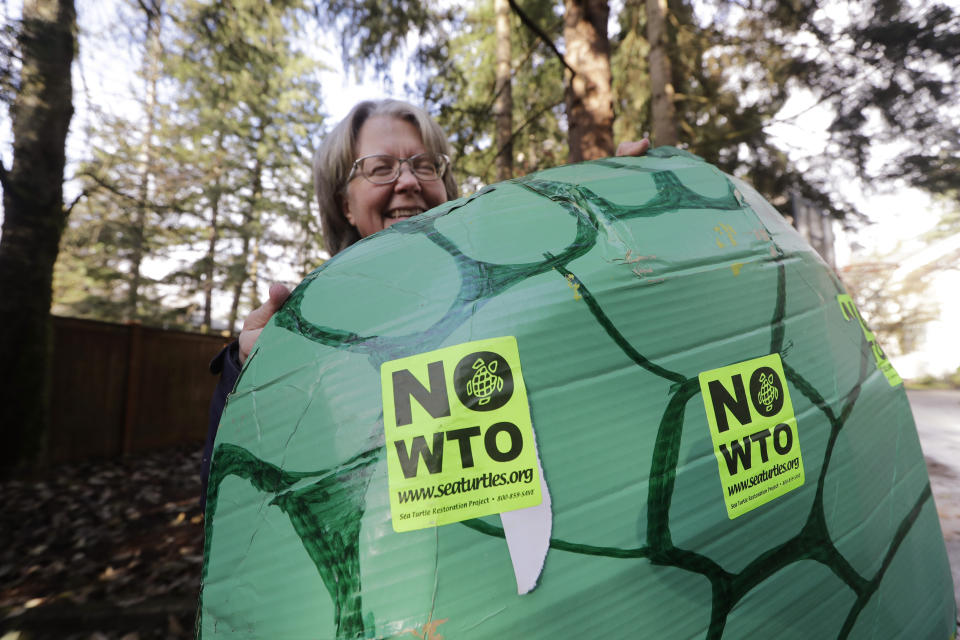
483 381
767 391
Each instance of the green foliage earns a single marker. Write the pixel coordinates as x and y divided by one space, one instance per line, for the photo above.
733 67
631 77
947 381
374 31
115 228
892 78
897 308
248 103
226 197
732 73
458 82
210 190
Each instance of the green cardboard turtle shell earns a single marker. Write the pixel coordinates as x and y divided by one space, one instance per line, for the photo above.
722 448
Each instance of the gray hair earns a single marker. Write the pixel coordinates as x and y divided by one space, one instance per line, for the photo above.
334 158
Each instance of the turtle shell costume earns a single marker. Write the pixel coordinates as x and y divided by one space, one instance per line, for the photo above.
714 444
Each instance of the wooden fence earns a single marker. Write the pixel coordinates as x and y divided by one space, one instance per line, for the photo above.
125 388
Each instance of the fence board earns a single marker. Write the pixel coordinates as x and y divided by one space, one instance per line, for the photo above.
125 388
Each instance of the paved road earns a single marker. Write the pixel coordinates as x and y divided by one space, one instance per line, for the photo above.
937 414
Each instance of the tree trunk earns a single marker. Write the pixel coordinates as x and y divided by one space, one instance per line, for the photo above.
589 90
146 171
34 219
210 259
239 275
661 86
503 107
255 272
255 230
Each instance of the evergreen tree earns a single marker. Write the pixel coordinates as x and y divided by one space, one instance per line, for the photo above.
883 66
374 32
897 306
249 107
460 83
228 198
211 184
457 72
731 71
892 77
120 226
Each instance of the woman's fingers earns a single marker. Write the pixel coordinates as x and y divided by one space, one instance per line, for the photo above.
633 147
259 317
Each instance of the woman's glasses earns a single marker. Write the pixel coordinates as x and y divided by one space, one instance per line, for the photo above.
384 169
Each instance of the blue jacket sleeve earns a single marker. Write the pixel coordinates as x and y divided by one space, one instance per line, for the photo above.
227 365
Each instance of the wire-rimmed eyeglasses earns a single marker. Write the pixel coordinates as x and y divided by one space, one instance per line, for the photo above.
381 168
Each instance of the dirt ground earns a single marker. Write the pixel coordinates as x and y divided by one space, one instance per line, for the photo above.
113 550
103 550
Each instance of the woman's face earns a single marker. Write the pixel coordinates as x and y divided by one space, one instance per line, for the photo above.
373 207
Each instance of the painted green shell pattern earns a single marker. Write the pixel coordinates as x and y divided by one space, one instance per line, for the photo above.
298 541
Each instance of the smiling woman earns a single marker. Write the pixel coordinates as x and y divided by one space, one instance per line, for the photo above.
379 192
352 206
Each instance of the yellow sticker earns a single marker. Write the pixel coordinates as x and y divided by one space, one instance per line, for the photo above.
458 434
850 311
754 432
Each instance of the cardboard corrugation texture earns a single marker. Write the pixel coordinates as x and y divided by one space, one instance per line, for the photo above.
622 280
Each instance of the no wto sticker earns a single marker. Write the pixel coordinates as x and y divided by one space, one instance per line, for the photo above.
458 434
754 432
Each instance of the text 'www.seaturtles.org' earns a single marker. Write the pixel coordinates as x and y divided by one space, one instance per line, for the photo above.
764 476
466 485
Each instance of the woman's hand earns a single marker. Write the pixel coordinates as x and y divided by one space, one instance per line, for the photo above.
258 318
633 147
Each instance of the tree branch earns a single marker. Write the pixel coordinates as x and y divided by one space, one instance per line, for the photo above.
517 131
132 199
83 194
111 188
530 24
